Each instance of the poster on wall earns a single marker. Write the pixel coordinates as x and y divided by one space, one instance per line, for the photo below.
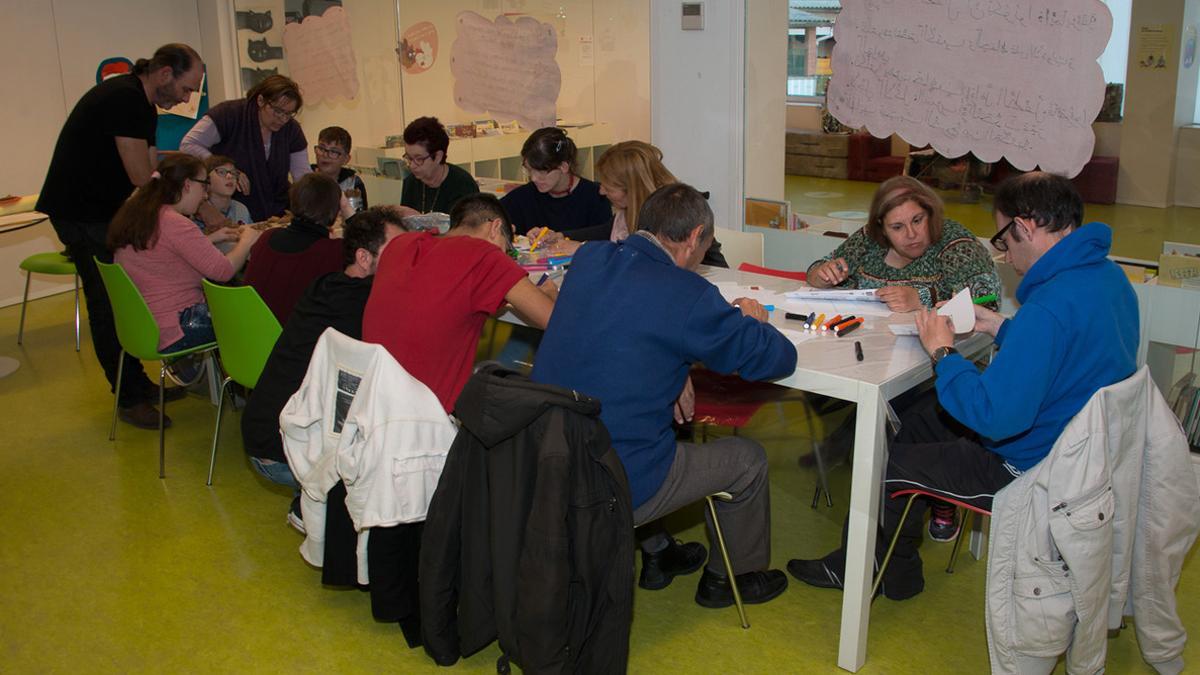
320 55
418 48
506 69
1022 83
1153 45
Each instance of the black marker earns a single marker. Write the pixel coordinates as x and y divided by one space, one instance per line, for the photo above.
858 350
795 317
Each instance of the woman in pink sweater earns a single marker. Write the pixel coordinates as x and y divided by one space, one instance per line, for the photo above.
166 256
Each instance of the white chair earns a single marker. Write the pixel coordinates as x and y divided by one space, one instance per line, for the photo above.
741 247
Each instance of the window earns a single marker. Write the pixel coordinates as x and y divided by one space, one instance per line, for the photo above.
810 44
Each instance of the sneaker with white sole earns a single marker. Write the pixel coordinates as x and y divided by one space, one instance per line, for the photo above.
943 523
295 518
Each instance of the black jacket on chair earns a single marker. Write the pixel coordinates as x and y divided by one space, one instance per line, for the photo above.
529 536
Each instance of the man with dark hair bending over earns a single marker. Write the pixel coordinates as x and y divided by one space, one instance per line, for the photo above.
632 319
433 293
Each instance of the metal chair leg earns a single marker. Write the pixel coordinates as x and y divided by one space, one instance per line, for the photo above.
895 537
217 432
24 301
112 431
737 595
822 478
962 534
76 311
162 413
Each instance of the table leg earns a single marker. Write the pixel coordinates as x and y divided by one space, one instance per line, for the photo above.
869 461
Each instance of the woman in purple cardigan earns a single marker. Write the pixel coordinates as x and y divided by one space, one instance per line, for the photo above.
262 136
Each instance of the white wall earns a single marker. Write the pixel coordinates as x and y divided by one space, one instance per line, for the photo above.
697 94
50 52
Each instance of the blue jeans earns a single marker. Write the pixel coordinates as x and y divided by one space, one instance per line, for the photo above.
276 472
197 327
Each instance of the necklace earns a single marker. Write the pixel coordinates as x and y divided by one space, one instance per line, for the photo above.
570 186
433 203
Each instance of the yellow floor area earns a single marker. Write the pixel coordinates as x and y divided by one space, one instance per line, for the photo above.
107 568
1139 231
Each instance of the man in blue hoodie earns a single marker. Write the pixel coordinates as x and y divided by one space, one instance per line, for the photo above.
630 321
1076 332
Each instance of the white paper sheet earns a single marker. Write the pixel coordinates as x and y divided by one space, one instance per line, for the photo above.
903 329
961 311
731 291
856 294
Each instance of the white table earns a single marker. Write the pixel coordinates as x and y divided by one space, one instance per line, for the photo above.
16 217
827 365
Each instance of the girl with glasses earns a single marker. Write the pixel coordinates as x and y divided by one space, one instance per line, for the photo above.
260 133
556 197
166 256
432 184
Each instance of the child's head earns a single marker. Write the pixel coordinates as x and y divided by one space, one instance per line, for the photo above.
316 197
332 150
222 176
483 216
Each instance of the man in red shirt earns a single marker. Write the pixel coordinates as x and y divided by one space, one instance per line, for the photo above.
433 293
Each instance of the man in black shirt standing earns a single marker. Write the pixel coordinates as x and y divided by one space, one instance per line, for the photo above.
105 150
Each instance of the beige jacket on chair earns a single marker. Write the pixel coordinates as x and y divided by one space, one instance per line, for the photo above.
1097 530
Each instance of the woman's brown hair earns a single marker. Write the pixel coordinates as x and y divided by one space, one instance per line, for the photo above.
136 223
899 190
635 167
272 87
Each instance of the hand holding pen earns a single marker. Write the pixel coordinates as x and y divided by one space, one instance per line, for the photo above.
829 273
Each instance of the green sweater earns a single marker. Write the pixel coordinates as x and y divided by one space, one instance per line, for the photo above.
425 199
955 261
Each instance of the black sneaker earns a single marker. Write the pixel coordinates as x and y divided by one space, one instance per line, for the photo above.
814 573
943 523
295 518
756 588
658 569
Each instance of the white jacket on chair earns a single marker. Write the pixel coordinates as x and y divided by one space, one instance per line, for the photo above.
360 418
1096 530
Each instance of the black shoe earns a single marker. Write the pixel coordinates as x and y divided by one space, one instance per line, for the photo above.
658 569
143 416
174 394
756 588
814 573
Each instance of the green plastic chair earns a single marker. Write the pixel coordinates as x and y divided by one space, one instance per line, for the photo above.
48 263
138 334
246 333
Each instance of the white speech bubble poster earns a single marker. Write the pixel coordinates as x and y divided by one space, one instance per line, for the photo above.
1004 78
506 69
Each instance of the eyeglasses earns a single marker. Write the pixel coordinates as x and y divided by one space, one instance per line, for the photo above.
997 240
328 151
280 112
227 173
415 161
202 181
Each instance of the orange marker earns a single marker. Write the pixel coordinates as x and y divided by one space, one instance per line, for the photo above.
847 327
832 322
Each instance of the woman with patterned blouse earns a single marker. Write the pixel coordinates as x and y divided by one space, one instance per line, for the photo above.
909 252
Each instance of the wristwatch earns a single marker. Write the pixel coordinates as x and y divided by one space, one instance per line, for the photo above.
941 353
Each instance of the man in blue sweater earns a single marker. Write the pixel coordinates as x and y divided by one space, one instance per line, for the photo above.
630 321
1076 332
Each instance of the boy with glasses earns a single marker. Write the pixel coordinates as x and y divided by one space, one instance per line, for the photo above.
222 183
333 154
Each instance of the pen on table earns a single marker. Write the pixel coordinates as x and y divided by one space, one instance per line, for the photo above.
845 320
538 239
820 320
794 317
808 323
847 327
984 299
858 350
832 322
545 276
769 308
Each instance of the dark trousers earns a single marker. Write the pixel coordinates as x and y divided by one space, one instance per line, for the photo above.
84 240
932 452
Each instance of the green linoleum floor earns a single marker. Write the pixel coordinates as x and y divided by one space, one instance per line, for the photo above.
1138 231
106 568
